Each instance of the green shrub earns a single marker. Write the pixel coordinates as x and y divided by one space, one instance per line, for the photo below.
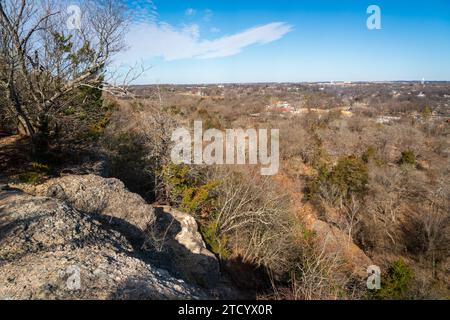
426 112
36 174
98 128
31 177
395 284
40 167
350 175
408 158
128 163
193 193
86 116
322 178
190 192
218 244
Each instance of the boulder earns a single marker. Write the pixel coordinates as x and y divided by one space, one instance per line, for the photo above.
182 249
50 250
168 238
94 194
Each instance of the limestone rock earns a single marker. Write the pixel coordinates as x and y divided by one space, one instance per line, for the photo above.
183 249
94 194
171 242
49 250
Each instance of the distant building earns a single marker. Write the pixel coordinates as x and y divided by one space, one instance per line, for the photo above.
281 107
387 119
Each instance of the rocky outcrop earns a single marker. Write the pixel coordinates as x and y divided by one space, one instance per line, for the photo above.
172 242
94 194
50 250
182 248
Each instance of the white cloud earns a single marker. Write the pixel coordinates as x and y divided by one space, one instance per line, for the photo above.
208 14
190 12
214 30
142 10
192 30
231 45
149 40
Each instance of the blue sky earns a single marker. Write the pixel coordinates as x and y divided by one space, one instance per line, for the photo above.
218 41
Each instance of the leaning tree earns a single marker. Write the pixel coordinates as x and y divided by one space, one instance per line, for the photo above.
50 53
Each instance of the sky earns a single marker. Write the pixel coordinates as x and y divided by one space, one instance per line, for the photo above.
240 41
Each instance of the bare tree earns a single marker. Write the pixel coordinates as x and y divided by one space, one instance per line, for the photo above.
156 127
387 190
147 149
257 219
428 230
43 63
316 274
352 209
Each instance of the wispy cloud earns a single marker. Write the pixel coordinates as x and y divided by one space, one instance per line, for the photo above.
142 10
149 40
190 12
234 44
207 16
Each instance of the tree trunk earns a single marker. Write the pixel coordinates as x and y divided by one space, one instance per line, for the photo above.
25 127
